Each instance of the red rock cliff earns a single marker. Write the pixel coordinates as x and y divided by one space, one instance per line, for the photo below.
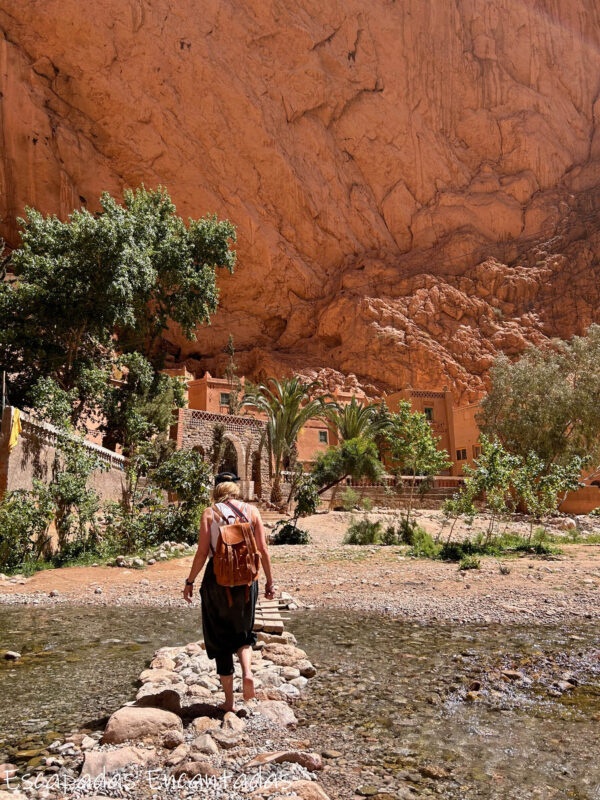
415 183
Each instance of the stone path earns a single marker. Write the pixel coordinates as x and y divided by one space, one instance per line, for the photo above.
173 741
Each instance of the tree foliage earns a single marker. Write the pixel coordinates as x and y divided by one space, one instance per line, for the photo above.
413 448
502 482
352 458
356 420
287 405
547 401
97 283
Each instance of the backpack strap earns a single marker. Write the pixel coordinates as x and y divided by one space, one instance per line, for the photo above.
237 511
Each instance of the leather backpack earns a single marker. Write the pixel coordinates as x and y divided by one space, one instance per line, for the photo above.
236 559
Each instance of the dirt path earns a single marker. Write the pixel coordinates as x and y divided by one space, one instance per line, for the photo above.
328 573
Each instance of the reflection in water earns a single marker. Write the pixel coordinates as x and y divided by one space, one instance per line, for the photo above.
391 695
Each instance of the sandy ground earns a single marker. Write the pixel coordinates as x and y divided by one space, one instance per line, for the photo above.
328 573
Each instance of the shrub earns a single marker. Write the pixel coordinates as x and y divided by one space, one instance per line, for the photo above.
469 562
503 545
363 531
406 531
349 498
24 521
367 504
423 545
389 536
288 533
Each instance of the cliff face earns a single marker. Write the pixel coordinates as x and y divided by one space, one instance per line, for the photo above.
414 183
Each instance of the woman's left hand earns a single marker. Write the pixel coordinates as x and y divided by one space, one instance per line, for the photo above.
188 593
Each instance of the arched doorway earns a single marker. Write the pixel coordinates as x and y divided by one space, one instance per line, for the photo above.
229 460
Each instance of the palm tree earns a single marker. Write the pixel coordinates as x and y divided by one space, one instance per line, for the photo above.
356 421
288 405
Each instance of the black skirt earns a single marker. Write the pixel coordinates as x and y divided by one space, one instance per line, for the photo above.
226 627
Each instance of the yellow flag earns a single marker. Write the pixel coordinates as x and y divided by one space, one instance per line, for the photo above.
15 430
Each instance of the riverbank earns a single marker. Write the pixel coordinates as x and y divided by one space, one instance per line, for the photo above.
327 573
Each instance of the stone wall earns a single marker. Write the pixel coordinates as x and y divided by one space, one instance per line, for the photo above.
196 430
34 454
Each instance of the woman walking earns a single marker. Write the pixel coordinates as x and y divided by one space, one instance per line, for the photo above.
228 611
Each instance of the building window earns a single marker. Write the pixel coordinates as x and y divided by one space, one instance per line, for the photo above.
461 455
428 411
476 450
323 437
224 398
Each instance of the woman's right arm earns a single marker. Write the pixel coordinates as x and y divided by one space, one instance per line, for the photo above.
261 542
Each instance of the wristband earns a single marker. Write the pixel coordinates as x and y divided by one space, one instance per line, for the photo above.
189 583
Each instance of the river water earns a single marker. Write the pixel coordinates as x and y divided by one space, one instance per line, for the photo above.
391 697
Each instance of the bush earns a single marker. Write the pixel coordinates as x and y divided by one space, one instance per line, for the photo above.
469 562
423 545
349 498
362 532
367 504
288 533
389 536
502 545
24 522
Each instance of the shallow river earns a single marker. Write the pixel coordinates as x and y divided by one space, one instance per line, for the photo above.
391 696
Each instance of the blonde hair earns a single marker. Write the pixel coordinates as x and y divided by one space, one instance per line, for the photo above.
224 490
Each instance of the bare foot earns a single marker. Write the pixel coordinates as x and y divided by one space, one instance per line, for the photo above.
227 707
248 684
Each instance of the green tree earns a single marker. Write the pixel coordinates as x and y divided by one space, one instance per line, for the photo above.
187 475
547 401
287 405
414 449
492 478
75 504
106 281
24 522
140 405
355 420
539 487
352 458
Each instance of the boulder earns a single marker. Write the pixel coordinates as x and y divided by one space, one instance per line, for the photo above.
132 722
285 655
168 697
277 711
205 744
163 661
178 755
97 762
227 739
306 668
232 722
172 739
202 724
159 676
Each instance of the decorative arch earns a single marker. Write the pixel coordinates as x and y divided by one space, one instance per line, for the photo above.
233 459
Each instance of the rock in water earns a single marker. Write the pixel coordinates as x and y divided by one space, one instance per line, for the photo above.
277 711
